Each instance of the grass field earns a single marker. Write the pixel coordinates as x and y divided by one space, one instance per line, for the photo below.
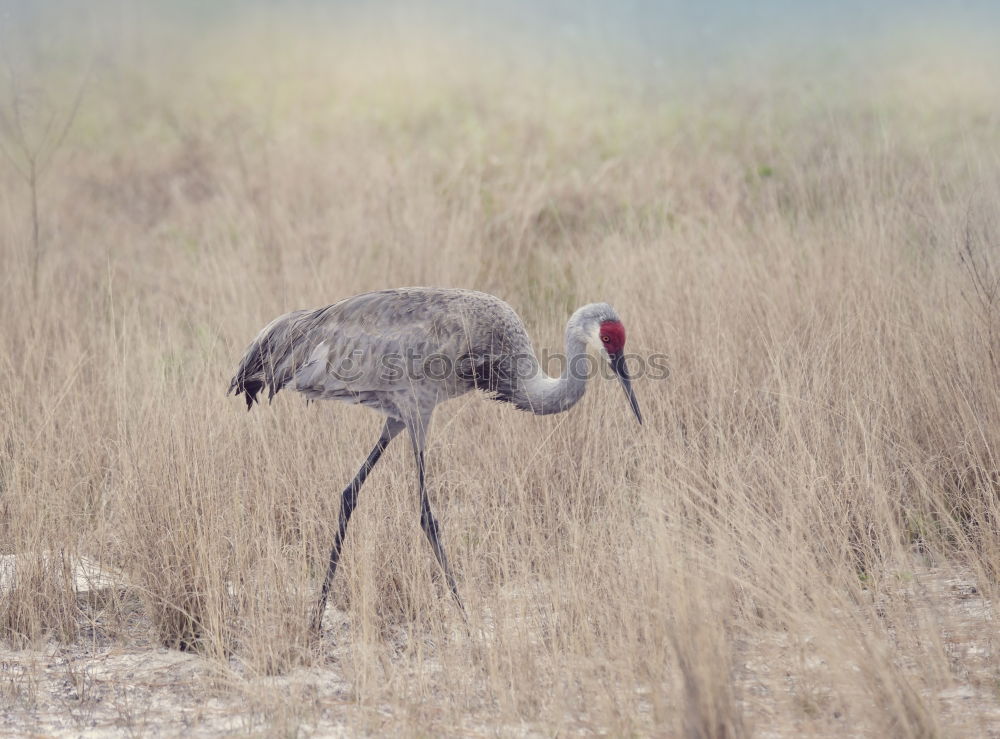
804 537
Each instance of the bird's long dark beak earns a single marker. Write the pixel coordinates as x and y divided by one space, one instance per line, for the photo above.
618 365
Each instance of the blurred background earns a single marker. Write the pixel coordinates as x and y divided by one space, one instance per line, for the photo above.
796 202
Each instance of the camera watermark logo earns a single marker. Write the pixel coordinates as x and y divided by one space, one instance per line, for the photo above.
393 368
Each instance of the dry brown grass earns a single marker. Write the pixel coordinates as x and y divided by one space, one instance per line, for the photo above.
770 553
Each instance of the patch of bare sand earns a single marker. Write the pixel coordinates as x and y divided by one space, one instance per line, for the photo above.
135 687
91 691
785 679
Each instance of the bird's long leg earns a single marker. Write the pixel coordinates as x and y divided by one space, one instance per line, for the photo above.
430 526
349 499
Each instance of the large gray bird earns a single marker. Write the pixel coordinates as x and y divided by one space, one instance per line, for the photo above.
403 351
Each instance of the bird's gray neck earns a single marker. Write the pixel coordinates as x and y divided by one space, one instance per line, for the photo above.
543 395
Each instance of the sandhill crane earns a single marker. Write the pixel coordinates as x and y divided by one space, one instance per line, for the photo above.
403 351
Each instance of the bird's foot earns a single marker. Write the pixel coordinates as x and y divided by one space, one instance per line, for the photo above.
316 626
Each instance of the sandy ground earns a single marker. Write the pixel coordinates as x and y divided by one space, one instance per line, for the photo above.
782 679
130 686
90 690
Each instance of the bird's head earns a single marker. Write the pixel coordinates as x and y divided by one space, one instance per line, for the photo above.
600 325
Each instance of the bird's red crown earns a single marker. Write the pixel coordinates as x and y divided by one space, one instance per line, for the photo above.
612 336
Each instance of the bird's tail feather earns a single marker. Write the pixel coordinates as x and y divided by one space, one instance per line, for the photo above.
268 361
250 378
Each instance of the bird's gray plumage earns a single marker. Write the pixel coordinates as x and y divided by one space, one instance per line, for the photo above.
402 352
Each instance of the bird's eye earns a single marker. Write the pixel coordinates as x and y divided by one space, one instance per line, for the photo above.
605 339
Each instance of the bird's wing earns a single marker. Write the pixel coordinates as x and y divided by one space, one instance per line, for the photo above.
390 341
377 342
